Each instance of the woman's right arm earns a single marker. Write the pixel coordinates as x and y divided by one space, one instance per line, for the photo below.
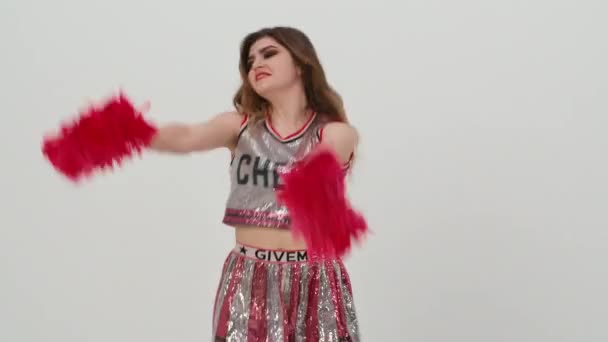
220 131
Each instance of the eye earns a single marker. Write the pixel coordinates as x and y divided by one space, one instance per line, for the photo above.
270 53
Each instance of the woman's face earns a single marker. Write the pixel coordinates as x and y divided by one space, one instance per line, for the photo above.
271 67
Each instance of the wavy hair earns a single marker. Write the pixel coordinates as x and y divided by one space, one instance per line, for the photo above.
320 96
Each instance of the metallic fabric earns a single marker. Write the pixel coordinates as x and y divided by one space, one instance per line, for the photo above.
303 303
347 297
254 171
274 314
239 313
227 275
299 301
328 330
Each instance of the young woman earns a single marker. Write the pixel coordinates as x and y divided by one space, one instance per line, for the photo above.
272 288
269 290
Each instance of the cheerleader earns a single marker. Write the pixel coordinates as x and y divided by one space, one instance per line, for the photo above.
291 148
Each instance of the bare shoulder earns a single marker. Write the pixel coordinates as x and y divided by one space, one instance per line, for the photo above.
341 133
220 130
227 122
232 121
342 137
230 118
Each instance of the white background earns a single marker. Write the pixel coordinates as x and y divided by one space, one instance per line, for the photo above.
482 166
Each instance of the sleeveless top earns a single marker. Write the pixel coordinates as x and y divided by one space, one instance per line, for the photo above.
260 150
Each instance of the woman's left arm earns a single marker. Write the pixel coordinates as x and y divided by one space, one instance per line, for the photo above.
309 191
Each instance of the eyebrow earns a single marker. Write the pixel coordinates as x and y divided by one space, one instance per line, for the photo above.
261 50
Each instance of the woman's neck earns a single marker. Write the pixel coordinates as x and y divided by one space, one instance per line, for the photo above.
289 108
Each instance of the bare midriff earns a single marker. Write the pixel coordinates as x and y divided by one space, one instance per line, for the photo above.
267 238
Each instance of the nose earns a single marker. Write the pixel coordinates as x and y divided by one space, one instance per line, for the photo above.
257 63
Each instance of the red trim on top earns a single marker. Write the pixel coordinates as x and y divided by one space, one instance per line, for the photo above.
347 165
299 131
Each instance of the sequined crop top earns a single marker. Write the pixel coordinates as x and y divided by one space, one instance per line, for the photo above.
253 170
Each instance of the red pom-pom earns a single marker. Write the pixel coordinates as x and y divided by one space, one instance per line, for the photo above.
314 193
101 137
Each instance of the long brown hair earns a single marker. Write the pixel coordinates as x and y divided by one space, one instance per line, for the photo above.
320 96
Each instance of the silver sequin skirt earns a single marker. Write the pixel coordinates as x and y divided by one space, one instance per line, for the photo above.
282 296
